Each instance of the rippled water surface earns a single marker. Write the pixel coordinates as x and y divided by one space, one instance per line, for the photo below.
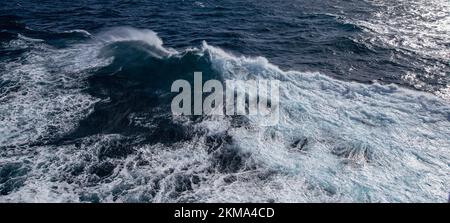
85 101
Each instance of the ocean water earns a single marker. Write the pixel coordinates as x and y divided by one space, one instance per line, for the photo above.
364 101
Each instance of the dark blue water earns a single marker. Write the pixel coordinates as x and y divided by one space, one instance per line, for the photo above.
320 36
85 101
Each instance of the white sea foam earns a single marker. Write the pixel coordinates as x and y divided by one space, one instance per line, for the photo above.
81 31
123 34
336 142
375 128
47 99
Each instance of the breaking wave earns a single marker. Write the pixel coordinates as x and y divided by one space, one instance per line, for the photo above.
91 122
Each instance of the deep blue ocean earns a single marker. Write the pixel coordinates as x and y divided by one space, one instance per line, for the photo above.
85 101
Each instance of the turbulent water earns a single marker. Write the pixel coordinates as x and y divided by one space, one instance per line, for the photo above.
364 101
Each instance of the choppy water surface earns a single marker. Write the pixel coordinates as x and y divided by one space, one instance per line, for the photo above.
85 101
